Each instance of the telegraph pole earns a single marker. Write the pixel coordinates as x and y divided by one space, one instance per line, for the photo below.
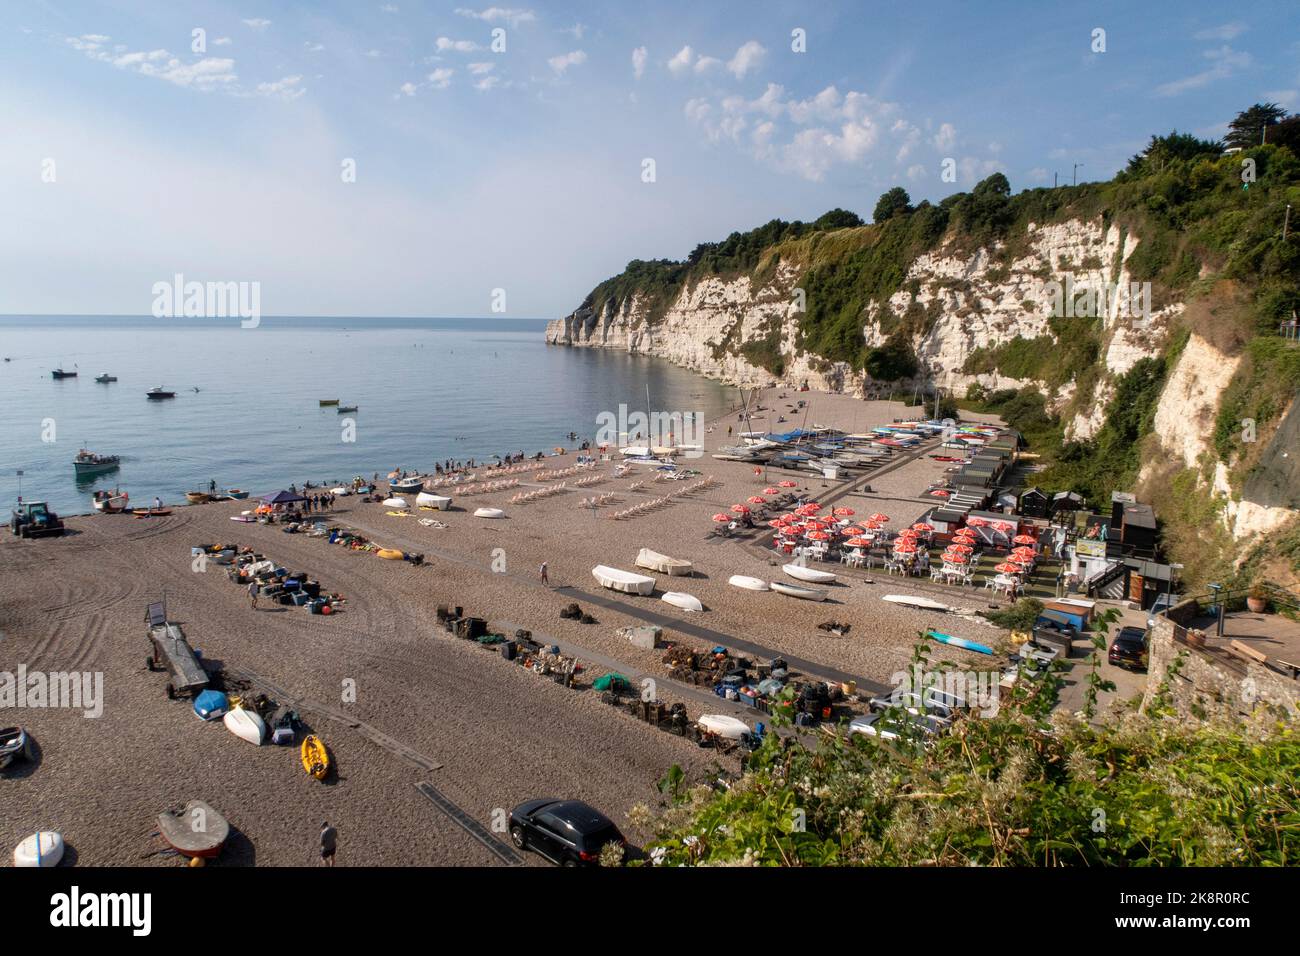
1076 173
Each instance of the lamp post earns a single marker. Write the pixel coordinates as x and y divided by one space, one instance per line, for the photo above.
1076 173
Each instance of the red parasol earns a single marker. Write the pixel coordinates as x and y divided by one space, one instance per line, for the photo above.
879 517
721 517
1024 539
904 547
845 512
859 542
756 500
788 484
955 558
740 509
819 536
922 526
855 529
771 491
977 522
1006 567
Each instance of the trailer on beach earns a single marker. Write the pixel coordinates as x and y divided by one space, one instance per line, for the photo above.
169 650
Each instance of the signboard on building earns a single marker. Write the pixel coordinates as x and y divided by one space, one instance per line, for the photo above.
1086 548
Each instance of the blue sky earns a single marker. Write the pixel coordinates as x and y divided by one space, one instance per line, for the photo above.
521 169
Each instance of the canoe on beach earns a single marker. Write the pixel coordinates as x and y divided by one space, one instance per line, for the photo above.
914 600
489 513
799 591
962 643
315 758
748 583
802 572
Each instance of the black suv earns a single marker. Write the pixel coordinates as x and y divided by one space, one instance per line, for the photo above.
1129 649
567 832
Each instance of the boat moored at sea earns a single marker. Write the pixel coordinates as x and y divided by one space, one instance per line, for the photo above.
105 378
59 373
111 502
87 463
157 392
328 401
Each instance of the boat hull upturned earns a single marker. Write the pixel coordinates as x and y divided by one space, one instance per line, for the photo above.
246 725
654 561
426 500
41 849
687 602
195 830
624 581
748 583
801 572
803 592
912 600
489 513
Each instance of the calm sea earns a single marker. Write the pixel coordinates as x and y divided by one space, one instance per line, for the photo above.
426 390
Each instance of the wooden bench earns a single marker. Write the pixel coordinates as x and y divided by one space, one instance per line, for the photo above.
1247 653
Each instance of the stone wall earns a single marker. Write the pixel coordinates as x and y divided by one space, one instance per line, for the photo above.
1210 682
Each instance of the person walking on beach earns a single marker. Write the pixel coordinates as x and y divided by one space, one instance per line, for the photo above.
545 577
252 594
329 839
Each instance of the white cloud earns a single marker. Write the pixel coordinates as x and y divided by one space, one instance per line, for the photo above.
1224 62
407 89
946 138
221 41
915 172
508 15
314 47
388 8
747 58
971 169
444 44
440 78
1225 31
565 60
681 62
208 73
288 88
1285 98
478 69
1038 175
706 63
488 83
639 56
373 54
577 31
257 23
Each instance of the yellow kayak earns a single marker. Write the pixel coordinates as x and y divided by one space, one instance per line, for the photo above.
390 554
315 758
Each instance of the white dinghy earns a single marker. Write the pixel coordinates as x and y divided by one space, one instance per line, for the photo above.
730 728
687 602
799 591
801 572
426 500
624 581
914 600
246 725
654 561
747 583
41 849
395 502
489 513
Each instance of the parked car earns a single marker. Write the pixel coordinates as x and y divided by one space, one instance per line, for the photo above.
1129 649
888 727
567 832
1162 603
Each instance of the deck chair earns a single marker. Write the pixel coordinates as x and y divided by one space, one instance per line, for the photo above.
156 614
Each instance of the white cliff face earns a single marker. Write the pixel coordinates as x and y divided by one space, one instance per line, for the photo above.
976 303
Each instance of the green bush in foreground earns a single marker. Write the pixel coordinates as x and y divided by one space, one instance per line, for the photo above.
1012 789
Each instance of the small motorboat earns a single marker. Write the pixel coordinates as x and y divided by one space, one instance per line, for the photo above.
197 497
801 572
489 513
799 591
315 757
246 725
654 561
426 500
14 743
407 486
111 502
344 409
105 378
328 401
42 849
195 830
157 392
748 583
59 373
211 704
687 602
914 600
87 463
624 581
236 494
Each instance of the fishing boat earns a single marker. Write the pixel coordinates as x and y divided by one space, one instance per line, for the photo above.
197 497
195 830
654 561
426 500
315 757
328 401
42 849
105 378
913 600
87 463
246 725
687 602
799 591
151 512
343 409
802 572
59 373
962 643
157 392
748 583
111 502
407 486
624 581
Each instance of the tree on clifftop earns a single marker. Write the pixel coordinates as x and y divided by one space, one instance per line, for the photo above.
838 219
896 202
1248 128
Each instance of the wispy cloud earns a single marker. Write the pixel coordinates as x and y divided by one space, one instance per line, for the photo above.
445 44
1225 32
562 62
288 88
639 56
256 23
1224 62
207 73
508 15
747 59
